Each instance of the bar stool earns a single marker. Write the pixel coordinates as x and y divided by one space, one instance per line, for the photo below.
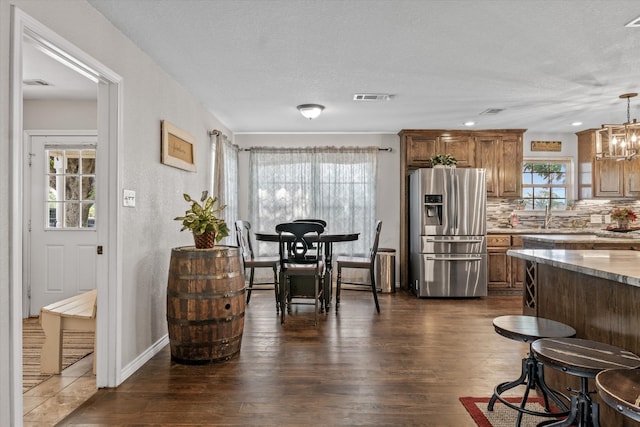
528 329
618 388
584 359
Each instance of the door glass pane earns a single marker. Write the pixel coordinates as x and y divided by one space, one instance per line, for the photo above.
70 177
88 188
72 188
73 161
88 161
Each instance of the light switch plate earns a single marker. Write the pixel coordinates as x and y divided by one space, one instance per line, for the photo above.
596 219
607 219
129 198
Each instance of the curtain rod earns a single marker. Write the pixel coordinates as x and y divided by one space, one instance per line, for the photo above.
389 149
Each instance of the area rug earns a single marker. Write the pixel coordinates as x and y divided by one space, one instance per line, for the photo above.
502 415
75 346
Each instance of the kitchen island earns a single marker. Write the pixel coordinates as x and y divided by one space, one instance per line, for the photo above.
597 292
602 240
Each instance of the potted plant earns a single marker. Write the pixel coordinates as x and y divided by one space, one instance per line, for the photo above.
201 219
443 160
623 216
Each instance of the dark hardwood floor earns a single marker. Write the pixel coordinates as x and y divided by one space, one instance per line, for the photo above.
406 366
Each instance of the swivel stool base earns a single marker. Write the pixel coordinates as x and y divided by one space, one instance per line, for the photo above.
528 329
584 359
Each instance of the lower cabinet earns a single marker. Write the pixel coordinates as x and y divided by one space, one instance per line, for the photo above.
503 272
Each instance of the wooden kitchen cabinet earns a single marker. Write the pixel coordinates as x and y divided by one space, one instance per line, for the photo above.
605 178
517 264
501 155
421 146
503 272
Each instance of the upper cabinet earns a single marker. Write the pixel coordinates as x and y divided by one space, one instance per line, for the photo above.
422 145
501 155
605 178
498 151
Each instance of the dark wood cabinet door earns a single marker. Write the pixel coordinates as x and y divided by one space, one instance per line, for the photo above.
510 164
632 178
459 146
487 158
608 178
498 268
420 150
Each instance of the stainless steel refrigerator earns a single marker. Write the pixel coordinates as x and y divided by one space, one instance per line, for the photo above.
447 232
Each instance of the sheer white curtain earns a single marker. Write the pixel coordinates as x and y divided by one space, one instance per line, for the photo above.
224 183
337 184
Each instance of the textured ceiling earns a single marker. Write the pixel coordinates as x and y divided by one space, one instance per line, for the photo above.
250 62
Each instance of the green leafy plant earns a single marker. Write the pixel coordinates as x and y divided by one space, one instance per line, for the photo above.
443 159
201 218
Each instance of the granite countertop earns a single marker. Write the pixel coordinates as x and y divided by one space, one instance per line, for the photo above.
580 238
505 230
620 266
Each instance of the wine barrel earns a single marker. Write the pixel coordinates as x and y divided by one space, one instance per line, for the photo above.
205 304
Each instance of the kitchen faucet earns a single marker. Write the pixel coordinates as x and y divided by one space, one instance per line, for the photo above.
547 216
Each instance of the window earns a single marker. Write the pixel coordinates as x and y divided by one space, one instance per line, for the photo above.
335 184
71 179
546 182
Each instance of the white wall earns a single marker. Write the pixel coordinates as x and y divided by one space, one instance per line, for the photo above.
60 115
147 232
569 150
387 185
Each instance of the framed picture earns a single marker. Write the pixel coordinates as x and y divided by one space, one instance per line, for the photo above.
546 145
178 148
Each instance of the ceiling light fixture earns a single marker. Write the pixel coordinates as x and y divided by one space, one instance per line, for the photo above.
310 111
619 142
576 124
469 123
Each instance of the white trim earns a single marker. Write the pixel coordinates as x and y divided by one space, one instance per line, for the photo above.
109 266
569 174
143 358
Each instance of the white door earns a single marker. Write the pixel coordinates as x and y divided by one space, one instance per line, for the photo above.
62 219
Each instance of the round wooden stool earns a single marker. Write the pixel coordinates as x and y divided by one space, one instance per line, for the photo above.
528 329
620 389
584 359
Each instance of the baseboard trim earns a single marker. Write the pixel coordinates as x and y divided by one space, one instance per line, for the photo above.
143 358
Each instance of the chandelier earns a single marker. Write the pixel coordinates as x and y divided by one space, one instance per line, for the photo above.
619 142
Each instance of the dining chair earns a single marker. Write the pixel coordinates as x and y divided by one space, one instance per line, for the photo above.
363 263
251 262
319 221
298 261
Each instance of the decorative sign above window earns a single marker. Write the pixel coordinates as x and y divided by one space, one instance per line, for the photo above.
546 145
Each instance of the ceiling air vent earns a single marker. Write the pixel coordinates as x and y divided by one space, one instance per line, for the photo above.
491 111
371 97
35 82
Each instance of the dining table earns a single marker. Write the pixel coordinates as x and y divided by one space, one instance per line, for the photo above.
327 238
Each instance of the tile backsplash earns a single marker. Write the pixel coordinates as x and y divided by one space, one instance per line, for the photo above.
499 214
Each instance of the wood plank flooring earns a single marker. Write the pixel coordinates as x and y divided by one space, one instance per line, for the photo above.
406 366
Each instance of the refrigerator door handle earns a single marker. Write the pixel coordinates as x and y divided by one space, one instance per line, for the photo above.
454 241
455 198
430 258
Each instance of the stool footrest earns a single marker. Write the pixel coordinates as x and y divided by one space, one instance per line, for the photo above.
532 375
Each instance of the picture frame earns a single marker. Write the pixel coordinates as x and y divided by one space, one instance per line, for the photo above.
178 147
546 145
